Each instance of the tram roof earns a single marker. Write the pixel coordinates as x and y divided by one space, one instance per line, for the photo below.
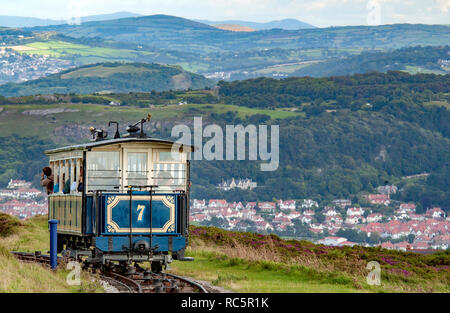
106 142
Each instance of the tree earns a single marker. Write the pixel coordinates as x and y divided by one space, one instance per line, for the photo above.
320 218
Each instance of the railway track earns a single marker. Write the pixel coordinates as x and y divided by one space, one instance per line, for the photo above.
127 280
37 257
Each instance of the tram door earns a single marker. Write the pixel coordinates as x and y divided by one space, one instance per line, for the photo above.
136 167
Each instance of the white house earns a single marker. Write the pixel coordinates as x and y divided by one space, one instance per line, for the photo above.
217 203
342 203
286 205
306 219
309 213
331 212
198 204
332 241
436 213
308 204
355 211
406 208
268 207
374 217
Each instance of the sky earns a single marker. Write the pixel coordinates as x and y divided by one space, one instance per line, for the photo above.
321 13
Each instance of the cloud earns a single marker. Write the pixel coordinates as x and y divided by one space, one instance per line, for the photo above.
443 5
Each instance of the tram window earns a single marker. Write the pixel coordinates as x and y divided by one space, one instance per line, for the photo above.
103 170
169 176
169 156
137 169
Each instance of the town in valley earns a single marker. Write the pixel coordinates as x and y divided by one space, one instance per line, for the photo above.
377 221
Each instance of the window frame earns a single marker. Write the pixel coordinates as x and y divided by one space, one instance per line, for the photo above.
87 171
125 152
156 160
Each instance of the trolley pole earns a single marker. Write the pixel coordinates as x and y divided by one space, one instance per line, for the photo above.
53 225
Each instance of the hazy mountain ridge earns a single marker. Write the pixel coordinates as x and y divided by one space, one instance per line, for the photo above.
288 24
169 32
23 21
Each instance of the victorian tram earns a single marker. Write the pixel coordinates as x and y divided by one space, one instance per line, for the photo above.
123 199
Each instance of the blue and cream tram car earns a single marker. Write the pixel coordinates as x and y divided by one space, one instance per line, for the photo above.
123 199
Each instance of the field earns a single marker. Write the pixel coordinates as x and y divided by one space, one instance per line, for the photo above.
254 62
102 71
285 68
421 70
240 262
246 262
84 54
32 236
39 117
238 275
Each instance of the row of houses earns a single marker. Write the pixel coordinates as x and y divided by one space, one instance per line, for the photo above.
243 184
395 229
21 200
21 193
264 216
24 209
376 199
441 243
268 207
17 67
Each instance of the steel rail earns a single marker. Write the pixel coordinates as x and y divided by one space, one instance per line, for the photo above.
200 287
125 280
132 283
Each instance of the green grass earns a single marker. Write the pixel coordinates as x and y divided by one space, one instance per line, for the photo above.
99 115
288 68
66 49
240 275
418 69
102 71
242 112
444 104
8 225
29 236
271 264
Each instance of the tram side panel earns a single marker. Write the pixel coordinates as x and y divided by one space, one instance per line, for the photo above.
67 209
112 229
106 219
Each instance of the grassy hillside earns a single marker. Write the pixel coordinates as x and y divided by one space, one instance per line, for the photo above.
169 32
247 262
318 52
242 262
110 77
380 128
30 236
83 51
411 59
154 30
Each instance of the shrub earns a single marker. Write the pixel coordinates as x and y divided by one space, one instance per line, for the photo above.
8 225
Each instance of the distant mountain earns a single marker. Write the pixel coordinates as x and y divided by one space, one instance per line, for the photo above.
175 33
289 24
21 21
107 17
159 31
110 77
